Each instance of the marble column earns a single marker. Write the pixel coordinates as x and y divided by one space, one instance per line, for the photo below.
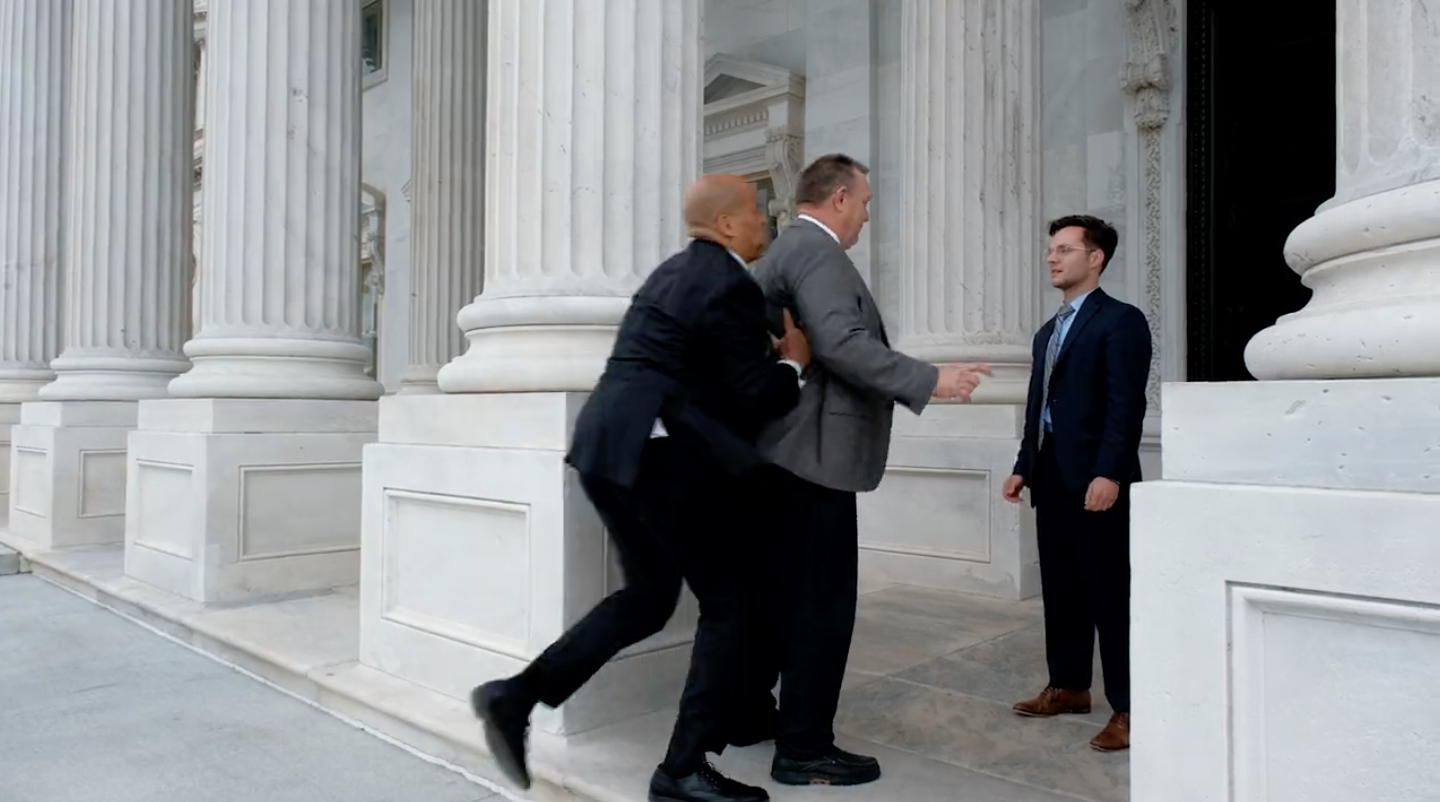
127 258
130 189
1371 254
279 303
971 262
448 173
245 483
592 119
34 60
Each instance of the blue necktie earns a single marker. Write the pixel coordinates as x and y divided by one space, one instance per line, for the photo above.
1052 352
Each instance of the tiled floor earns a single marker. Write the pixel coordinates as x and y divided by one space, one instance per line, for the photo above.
935 674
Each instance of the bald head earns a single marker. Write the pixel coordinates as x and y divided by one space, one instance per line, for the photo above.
723 208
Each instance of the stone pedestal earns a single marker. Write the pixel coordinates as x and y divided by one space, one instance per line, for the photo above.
1285 602
972 273
34 61
479 548
938 519
9 416
234 500
1285 605
68 467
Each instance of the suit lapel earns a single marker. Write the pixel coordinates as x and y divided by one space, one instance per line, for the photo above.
1088 310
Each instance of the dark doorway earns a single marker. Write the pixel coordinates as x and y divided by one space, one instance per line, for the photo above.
1261 158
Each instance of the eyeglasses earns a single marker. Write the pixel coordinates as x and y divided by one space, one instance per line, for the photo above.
1065 250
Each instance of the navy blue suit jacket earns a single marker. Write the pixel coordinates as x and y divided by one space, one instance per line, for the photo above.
1097 398
694 351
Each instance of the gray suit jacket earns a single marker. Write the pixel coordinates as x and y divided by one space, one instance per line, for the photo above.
838 436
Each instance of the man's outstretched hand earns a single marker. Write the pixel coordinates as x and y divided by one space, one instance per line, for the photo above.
959 381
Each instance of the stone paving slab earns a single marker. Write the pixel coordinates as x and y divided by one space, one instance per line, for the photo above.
93 706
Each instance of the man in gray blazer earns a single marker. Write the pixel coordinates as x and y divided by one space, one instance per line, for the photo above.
832 445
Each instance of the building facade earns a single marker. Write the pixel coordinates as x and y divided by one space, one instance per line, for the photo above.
300 294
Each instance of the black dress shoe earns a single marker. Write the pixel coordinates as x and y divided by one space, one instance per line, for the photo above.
834 767
705 785
506 715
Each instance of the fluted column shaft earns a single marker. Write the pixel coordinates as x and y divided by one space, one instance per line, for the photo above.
1371 254
127 238
593 114
34 58
448 174
970 182
279 303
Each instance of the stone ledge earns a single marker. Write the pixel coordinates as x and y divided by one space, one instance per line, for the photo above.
12 563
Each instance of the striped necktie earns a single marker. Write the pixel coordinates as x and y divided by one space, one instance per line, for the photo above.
1052 352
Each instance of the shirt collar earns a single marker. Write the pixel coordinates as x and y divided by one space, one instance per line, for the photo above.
1080 299
821 225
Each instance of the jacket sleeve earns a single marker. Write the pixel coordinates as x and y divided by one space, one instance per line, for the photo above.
830 315
1127 370
746 360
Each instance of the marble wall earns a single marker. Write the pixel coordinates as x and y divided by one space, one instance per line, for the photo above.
1083 130
385 166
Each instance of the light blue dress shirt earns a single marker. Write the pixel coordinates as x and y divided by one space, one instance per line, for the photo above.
1064 326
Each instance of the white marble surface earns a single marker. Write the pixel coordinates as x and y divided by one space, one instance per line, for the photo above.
586 171
448 183
971 183
279 305
131 175
1371 254
34 66
479 549
233 500
385 167
1295 566
67 472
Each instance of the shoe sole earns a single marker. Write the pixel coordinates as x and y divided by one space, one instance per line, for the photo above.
654 797
1109 749
1075 711
806 778
508 762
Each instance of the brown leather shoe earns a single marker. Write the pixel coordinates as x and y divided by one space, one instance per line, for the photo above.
1115 736
1053 701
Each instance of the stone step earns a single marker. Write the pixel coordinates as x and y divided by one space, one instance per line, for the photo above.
11 562
928 697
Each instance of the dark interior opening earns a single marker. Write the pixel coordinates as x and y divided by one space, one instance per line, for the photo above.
1261 157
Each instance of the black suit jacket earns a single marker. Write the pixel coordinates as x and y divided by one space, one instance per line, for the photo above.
1097 397
693 350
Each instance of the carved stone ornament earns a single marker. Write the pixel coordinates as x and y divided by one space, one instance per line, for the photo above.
784 152
1149 38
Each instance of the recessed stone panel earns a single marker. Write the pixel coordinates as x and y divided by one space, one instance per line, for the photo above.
102 484
280 516
929 512
163 509
458 567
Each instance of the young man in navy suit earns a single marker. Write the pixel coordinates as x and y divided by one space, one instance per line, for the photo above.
1079 456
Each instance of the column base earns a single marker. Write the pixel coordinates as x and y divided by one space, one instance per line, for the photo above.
232 501
938 519
67 472
112 377
1287 557
480 549
277 369
534 344
9 416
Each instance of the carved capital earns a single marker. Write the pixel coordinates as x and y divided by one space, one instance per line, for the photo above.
1149 37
